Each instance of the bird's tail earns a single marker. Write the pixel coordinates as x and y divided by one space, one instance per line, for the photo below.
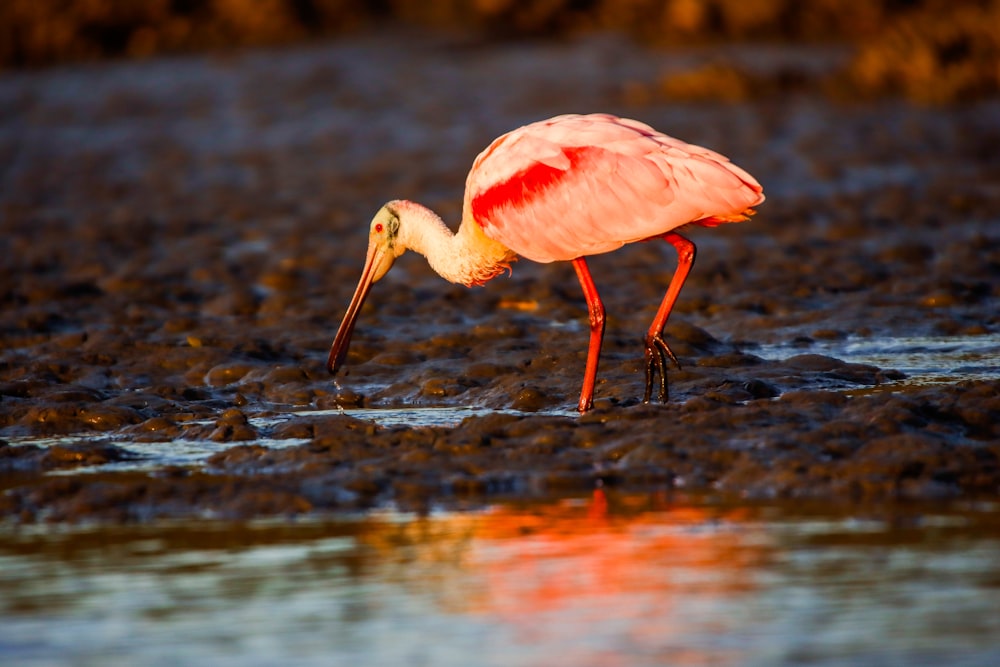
716 220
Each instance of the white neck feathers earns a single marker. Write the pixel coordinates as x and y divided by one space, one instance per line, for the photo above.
468 257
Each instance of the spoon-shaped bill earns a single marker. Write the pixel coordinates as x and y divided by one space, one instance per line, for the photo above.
377 262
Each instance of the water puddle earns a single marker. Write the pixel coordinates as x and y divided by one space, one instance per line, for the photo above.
601 580
151 456
423 417
924 359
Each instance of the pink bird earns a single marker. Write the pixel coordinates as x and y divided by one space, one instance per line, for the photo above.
560 190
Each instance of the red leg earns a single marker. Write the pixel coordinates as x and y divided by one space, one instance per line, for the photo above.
657 350
596 309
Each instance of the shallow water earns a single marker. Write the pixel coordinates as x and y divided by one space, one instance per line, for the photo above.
601 580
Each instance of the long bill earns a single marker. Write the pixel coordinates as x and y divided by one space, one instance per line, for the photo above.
338 350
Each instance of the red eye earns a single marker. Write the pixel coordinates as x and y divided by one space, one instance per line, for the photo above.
378 228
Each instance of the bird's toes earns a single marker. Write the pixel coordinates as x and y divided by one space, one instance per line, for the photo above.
650 374
656 363
665 349
657 353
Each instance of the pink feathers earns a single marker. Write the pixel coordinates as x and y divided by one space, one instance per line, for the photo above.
577 185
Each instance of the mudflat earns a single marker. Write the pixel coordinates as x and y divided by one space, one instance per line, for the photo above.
181 236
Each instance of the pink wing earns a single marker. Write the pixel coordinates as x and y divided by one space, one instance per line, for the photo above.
577 185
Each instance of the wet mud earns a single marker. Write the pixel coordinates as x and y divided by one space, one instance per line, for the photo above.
181 237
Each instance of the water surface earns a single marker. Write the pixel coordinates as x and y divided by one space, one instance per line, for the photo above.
599 580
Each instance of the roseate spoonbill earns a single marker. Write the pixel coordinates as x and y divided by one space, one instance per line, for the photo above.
562 189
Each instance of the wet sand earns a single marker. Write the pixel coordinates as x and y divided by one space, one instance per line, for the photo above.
181 237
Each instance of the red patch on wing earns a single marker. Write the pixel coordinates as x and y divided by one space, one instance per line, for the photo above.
522 187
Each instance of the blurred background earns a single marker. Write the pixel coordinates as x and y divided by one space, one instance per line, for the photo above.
931 51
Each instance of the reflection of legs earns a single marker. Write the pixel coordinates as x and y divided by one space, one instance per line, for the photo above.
657 350
596 310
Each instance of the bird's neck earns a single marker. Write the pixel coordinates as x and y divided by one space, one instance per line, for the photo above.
467 257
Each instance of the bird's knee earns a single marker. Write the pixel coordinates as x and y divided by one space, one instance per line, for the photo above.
686 252
685 248
597 316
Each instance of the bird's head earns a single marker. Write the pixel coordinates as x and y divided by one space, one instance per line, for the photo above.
384 246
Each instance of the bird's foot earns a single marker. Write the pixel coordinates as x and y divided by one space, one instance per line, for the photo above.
657 353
